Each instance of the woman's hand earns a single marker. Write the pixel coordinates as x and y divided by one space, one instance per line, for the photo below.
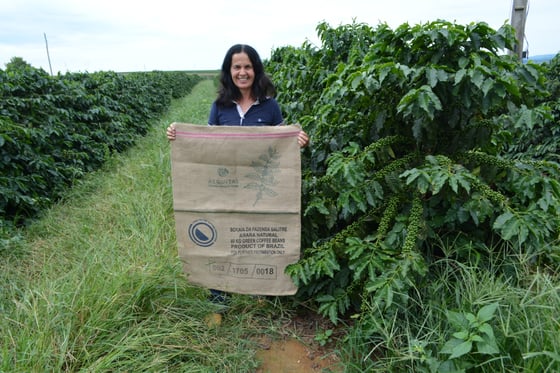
302 139
171 132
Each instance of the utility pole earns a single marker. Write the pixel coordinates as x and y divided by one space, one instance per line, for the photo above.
518 17
48 55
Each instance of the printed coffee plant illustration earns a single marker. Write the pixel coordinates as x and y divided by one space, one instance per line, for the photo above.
263 176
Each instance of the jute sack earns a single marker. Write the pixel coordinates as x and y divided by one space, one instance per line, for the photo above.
237 200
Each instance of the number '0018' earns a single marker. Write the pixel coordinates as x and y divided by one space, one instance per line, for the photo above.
265 271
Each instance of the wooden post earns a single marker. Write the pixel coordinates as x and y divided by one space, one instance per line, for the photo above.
518 18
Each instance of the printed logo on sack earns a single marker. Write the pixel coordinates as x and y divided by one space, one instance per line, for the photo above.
223 171
223 179
202 233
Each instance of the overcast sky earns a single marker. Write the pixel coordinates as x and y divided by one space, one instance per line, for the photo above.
141 35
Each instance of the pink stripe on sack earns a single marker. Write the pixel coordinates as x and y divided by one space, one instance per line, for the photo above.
236 135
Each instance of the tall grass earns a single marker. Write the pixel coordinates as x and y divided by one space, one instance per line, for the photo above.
96 284
525 327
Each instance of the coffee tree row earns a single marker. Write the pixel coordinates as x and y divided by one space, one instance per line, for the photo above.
54 129
421 135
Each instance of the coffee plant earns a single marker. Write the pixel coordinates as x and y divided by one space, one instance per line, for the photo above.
536 129
412 137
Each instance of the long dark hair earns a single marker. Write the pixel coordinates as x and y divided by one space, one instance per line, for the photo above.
262 85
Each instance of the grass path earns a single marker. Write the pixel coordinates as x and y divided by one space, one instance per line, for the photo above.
95 285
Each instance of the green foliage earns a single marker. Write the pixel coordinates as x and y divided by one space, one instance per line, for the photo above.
412 131
536 130
53 130
17 63
473 333
471 345
323 337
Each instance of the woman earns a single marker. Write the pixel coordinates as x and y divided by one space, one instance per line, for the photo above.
245 98
246 94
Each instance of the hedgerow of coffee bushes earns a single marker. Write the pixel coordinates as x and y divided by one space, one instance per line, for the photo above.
537 130
422 150
54 129
408 129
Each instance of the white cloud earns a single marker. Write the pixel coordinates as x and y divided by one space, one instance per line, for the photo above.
121 35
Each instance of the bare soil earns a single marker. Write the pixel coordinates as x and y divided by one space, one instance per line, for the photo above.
297 351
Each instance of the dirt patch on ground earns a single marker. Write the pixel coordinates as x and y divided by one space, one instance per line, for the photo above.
293 356
298 350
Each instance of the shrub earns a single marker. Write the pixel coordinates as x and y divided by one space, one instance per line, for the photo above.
410 132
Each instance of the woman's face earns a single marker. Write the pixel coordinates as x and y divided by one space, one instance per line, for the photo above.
242 71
